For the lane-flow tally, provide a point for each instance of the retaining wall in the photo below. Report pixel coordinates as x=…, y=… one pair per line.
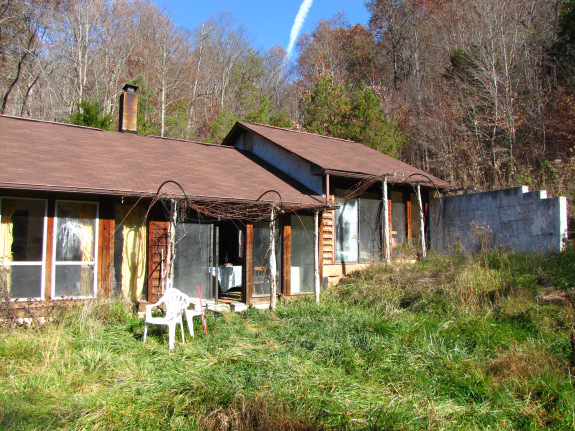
x=514, y=218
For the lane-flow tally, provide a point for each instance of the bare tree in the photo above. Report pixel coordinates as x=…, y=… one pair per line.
x=22, y=40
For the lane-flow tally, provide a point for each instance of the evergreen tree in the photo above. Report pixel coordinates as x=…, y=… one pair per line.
x=355, y=114
x=90, y=113
x=264, y=114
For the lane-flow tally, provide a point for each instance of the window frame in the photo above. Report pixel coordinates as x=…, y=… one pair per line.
x=298, y=217
x=56, y=263
x=41, y=263
x=356, y=236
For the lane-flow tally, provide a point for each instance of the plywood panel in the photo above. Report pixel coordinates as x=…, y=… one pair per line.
x=105, y=256
x=286, y=255
x=249, y=244
x=157, y=247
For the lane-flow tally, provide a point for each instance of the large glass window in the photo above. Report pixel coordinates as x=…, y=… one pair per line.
x=346, y=231
x=302, y=254
x=370, y=230
x=398, y=221
x=358, y=230
x=193, y=265
x=22, y=247
x=75, y=240
x=261, y=277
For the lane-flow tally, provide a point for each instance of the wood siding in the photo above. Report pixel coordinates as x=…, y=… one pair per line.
x=327, y=238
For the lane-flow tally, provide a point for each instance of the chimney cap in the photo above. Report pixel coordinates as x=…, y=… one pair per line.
x=130, y=88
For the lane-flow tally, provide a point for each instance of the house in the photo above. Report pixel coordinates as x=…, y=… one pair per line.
x=87, y=213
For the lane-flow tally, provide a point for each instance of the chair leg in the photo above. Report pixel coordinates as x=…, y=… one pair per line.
x=182, y=331
x=145, y=331
x=172, y=334
x=190, y=321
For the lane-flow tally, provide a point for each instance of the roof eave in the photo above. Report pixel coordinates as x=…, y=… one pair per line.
x=318, y=204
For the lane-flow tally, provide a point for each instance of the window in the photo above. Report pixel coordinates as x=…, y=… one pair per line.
x=75, y=241
x=346, y=231
x=302, y=254
x=370, y=230
x=193, y=265
x=358, y=229
x=22, y=247
x=261, y=278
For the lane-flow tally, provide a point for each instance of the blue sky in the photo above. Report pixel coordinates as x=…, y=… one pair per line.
x=269, y=22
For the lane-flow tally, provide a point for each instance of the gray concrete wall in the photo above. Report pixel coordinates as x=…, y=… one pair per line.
x=514, y=218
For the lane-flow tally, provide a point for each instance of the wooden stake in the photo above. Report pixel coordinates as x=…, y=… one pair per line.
x=202, y=309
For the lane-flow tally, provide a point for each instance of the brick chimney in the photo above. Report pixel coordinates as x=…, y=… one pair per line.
x=128, y=110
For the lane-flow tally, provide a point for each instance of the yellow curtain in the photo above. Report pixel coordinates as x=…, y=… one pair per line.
x=6, y=238
x=133, y=252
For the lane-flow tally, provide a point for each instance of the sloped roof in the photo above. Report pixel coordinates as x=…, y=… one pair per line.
x=336, y=156
x=39, y=155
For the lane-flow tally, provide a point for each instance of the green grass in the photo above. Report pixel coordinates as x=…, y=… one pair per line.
x=448, y=343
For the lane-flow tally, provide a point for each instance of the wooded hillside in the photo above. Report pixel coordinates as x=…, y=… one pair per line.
x=477, y=92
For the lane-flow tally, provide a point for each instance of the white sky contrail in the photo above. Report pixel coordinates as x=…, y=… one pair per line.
x=297, y=24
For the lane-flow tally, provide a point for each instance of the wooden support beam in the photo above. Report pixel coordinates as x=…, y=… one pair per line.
x=423, y=249
x=321, y=245
x=386, y=217
x=316, y=254
x=273, y=263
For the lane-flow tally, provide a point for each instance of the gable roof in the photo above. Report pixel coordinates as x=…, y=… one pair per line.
x=334, y=156
x=40, y=155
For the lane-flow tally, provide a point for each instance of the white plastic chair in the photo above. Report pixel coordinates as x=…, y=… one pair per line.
x=176, y=304
x=190, y=313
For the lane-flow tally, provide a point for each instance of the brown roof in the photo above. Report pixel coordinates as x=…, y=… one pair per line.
x=337, y=156
x=38, y=155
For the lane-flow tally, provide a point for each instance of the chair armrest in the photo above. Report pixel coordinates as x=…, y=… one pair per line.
x=149, y=307
x=191, y=313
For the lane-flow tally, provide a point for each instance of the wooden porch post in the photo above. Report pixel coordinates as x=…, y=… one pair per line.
x=423, y=250
x=273, y=271
x=316, y=254
x=249, y=256
x=385, y=220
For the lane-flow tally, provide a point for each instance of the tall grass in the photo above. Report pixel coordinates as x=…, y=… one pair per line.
x=446, y=343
